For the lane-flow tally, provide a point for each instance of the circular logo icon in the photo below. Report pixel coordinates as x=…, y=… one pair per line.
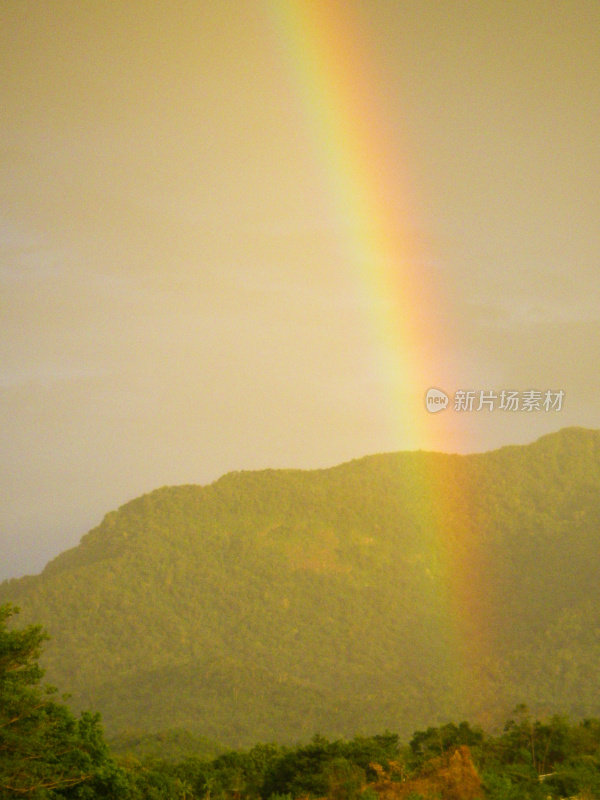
x=436, y=400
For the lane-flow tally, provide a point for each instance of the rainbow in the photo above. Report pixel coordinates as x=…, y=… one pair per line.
x=368, y=185
x=325, y=52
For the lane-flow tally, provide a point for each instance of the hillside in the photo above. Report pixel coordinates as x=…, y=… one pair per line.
x=391, y=591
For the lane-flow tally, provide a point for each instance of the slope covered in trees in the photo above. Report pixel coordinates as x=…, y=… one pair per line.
x=393, y=591
x=44, y=750
x=45, y=753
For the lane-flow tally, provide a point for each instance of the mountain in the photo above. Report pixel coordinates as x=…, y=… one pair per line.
x=392, y=591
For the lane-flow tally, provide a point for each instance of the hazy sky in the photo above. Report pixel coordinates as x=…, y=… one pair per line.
x=178, y=296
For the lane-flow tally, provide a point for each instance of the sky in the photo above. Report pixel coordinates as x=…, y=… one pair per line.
x=247, y=234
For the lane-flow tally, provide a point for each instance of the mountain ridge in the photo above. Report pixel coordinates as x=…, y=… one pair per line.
x=235, y=474
x=273, y=603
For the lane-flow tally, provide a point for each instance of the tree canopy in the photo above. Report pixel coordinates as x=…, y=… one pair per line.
x=47, y=753
x=44, y=750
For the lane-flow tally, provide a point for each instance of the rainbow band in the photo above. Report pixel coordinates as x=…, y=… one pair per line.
x=325, y=51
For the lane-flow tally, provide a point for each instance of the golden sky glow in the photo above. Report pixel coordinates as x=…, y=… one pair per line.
x=184, y=291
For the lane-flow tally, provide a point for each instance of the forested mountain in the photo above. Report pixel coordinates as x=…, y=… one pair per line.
x=393, y=591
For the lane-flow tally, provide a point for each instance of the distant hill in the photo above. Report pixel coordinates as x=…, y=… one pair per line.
x=392, y=591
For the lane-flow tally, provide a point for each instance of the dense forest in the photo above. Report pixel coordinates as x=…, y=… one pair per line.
x=393, y=592
x=46, y=752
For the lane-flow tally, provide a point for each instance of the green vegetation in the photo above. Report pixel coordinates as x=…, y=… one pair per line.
x=392, y=592
x=44, y=750
x=171, y=745
x=46, y=753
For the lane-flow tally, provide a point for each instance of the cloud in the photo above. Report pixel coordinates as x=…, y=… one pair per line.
x=48, y=375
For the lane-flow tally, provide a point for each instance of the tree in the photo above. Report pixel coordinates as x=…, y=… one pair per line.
x=345, y=781
x=434, y=742
x=44, y=750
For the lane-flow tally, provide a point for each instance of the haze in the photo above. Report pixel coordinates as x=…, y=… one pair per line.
x=176, y=298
